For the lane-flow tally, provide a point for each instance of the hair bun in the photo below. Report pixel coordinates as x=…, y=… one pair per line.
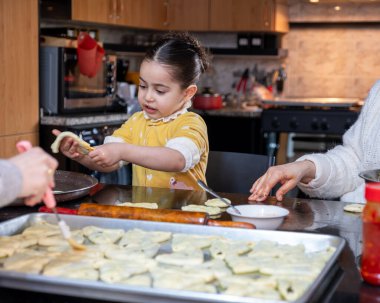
x=193, y=44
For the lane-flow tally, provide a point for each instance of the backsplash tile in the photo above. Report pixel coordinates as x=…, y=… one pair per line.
x=332, y=61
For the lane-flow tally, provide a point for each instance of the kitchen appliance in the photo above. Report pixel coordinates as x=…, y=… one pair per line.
x=64, y=89
x=308, y=116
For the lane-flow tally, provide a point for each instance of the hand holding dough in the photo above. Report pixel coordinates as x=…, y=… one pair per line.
x=84, y=147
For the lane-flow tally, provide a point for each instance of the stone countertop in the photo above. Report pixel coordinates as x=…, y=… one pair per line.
x=231, y=112
x=74, y=120
x=84, y=119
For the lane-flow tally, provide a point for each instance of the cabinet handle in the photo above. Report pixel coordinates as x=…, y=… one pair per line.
x=166, y=4
x=112, y=8
x=118, y=9
x=267, y=14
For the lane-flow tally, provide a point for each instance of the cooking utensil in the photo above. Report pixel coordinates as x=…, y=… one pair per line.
x=23, y=146
x=72, y=185
x=116, y=292
x=207, y=101
x=158, y=215
x=65, y=230
x=209, y=190
x=372, y=175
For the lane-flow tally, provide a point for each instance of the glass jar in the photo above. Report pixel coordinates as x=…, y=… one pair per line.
x=370, y=265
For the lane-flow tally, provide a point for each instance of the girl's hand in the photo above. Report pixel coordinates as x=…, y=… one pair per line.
x=69, y=147
x=106, y=155
x=289, y=175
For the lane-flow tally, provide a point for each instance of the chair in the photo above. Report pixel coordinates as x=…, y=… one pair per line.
x=235, y=172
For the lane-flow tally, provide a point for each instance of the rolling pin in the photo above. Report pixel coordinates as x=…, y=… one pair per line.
x=159, y=215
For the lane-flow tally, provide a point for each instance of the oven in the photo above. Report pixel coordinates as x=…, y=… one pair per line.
x=313, y=124
x=94, y=134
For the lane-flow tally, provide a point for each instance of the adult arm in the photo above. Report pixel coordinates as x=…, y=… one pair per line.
x=10, y=182
x=337, y=170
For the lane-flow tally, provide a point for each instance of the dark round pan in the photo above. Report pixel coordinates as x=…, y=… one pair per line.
x=372, y=175
x=71, y=185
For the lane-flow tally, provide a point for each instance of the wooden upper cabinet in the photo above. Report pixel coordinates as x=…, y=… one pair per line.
x=101, y=11
x=19, y=68
x=150, y=14
x=247, y=15
x=188, y=15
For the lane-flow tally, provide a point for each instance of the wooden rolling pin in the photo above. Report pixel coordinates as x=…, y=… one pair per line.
x=160, y=215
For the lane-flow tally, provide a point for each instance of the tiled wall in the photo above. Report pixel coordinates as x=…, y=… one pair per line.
x=332, y=60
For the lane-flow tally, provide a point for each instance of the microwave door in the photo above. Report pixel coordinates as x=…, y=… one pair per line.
x=81, y=91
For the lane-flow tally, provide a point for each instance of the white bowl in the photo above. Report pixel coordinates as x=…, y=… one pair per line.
x=263, y=216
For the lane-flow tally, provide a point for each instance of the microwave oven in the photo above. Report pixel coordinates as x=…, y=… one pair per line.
x=65, y=90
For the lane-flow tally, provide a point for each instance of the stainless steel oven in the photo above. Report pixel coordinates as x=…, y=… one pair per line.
x=64, y=89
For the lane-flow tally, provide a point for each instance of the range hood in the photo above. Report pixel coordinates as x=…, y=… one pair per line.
x=334, y=11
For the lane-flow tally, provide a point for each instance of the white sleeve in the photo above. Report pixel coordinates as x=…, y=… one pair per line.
x=113, y=139
x=188, y=149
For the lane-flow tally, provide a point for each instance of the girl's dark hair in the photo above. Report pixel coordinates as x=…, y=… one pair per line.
x=183, y=54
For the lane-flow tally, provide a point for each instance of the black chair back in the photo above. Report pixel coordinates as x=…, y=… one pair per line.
x=235, y=172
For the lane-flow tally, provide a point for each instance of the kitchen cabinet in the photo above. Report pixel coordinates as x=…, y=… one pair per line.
x=150, y=14
x=234, y=134
x=19, y=74
x=188, y=15
x=249, y=15
x=100, y=11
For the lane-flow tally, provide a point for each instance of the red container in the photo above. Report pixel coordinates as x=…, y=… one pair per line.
x=90, y=55
x=370, y=267
x=208, y=101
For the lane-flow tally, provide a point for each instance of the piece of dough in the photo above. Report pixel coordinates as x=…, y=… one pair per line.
x=99, y=235
x=354, y=208
x=140, y=204
x=139, y=236
x=218, y=203
x=84, y=147
x=211, y=210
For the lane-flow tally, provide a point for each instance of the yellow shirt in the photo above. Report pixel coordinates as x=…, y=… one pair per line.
x=145, y=132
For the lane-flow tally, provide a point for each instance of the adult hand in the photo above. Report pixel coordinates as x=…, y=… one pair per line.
x=37, y=170
x=69, y=147
x=107, y=154
x=289, y=175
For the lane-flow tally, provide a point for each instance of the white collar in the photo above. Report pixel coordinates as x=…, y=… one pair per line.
x=172, y=116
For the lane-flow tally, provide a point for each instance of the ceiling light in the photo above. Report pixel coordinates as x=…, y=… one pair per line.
x=337, y=8
x=314, y=1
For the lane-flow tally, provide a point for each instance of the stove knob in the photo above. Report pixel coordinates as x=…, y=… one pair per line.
x=293, y=123
x=325, y=125
x=314, y=124
x=275, y=123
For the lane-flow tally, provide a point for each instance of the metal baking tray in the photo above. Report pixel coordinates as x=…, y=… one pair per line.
x=126, y=293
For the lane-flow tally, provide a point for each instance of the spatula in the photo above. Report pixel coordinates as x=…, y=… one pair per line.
x=24, y=146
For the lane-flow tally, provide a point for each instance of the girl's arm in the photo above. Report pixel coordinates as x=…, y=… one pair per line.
x=69, y=147
x=157, y=158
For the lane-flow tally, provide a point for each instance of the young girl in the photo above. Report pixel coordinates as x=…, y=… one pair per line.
x=167, y=144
